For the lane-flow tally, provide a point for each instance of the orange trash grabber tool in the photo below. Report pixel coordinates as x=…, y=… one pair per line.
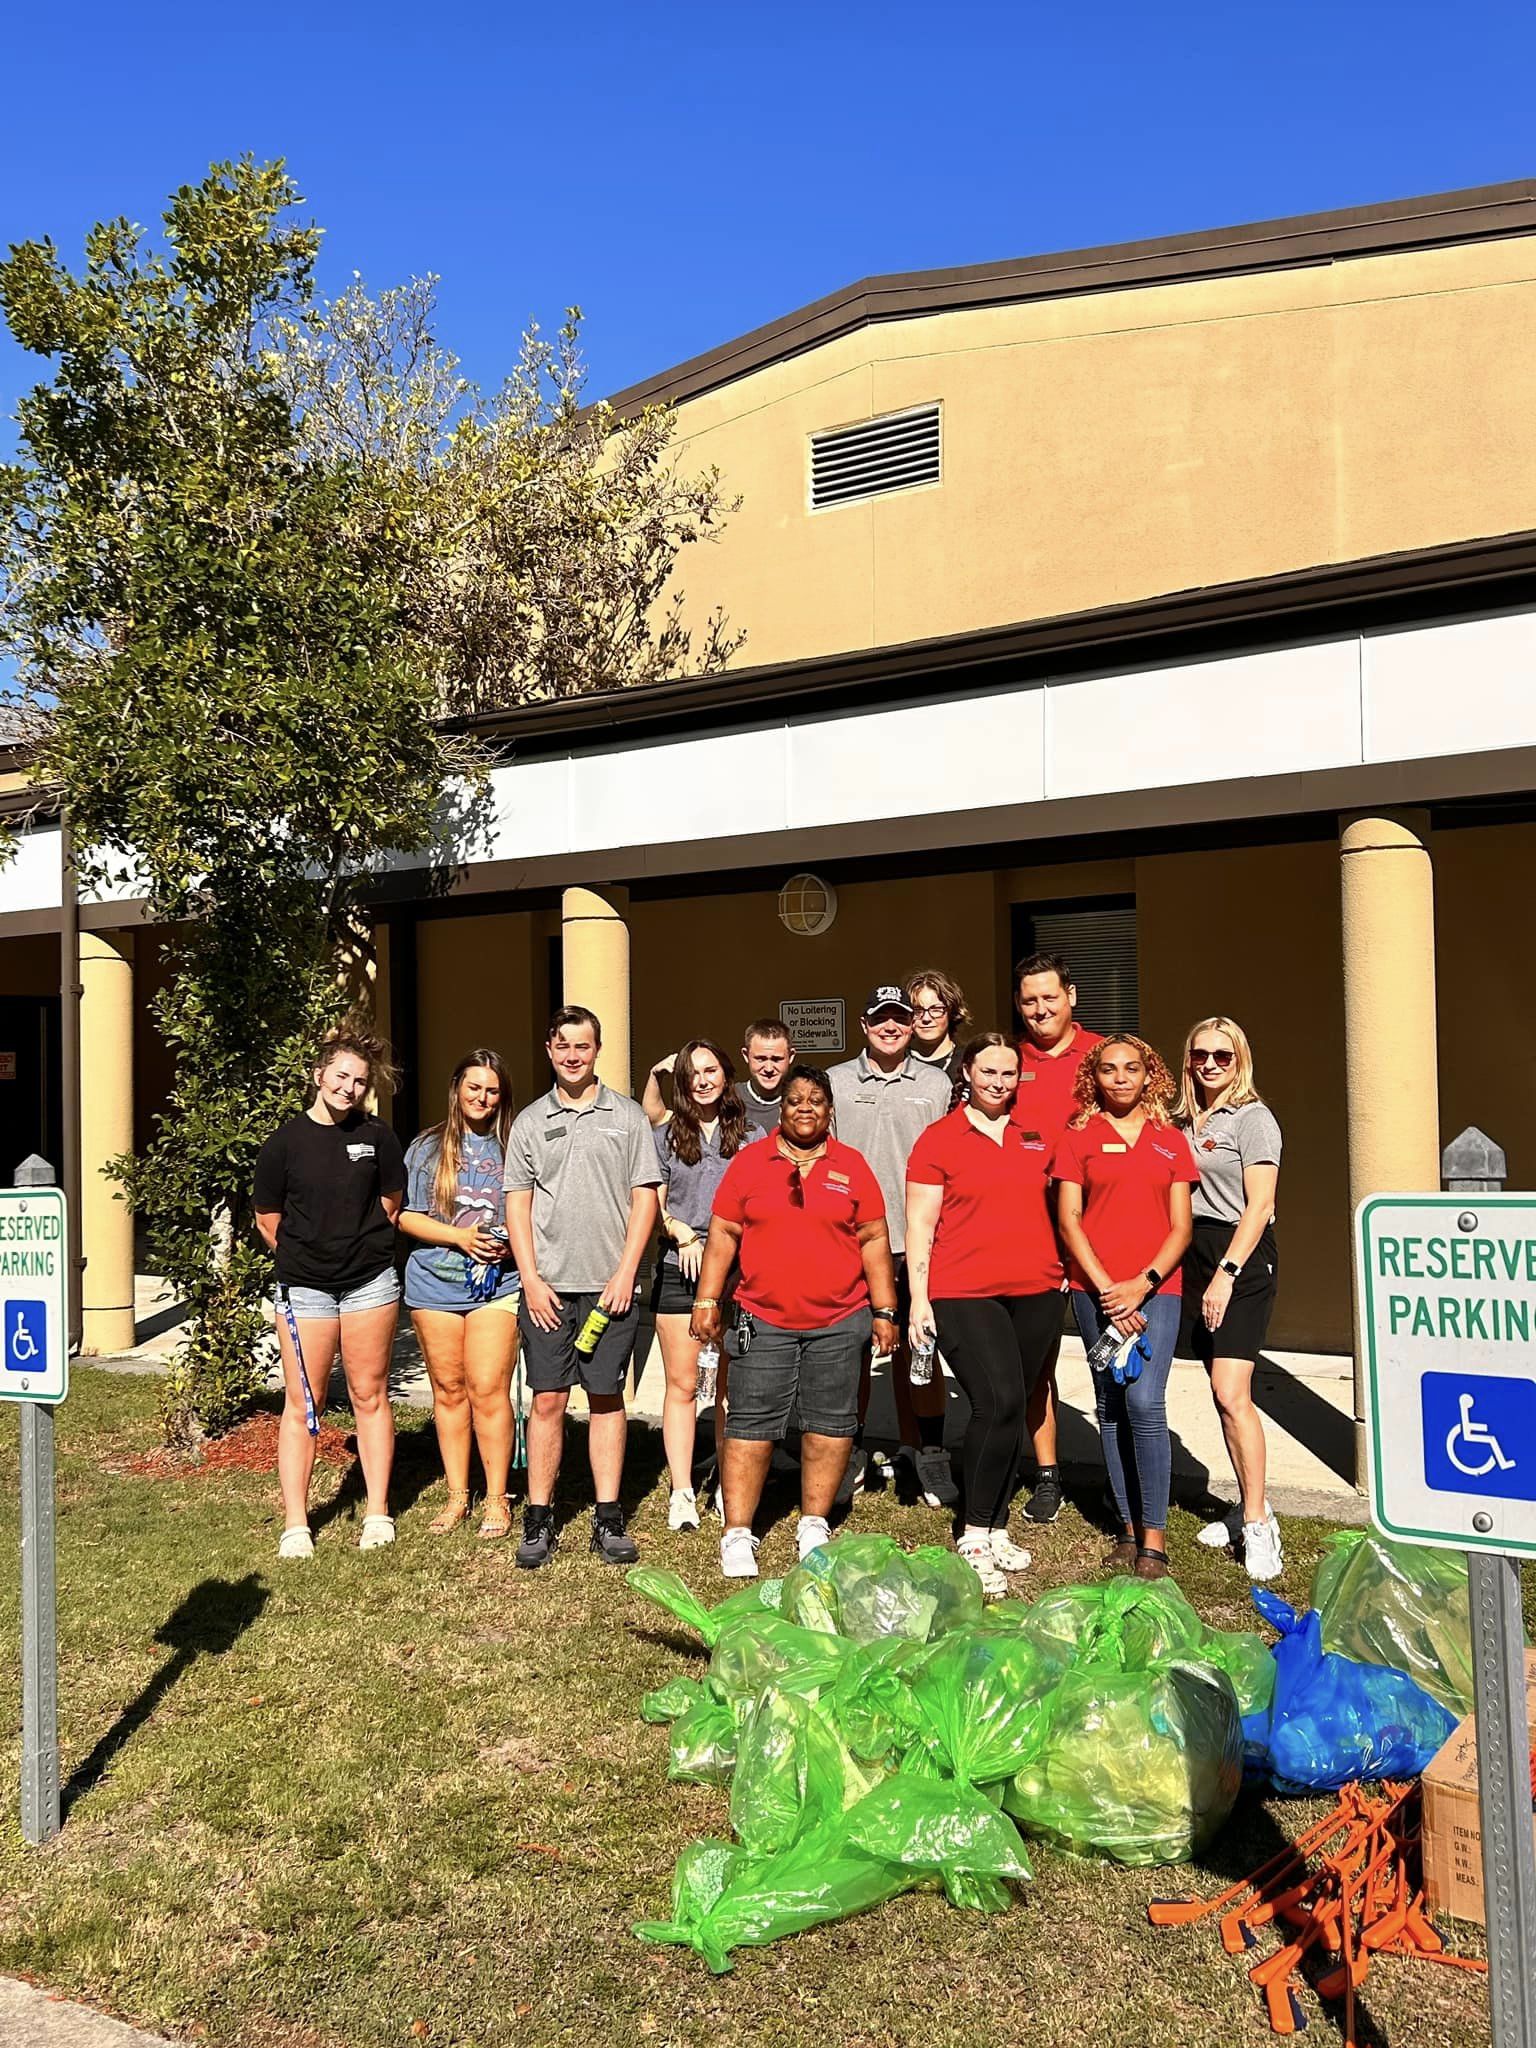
x=1185, y=1912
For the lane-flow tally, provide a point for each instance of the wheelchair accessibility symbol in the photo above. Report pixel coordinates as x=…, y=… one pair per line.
x=26, y=1336
x=1479, y=1434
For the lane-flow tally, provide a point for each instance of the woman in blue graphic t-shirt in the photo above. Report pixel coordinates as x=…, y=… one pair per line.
x=461, y=1286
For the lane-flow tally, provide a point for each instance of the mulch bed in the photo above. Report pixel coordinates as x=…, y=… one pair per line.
x=252, y=1447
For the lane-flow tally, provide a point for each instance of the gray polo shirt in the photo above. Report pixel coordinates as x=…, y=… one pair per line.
x=690, y=1190
x=1225, y=1143
x=883, y=1116
x=582, y=1165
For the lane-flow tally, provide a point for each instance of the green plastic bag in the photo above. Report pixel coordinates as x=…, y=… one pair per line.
x=1128, y=1624
x=704, y=1743
x=671, y=1701
x=943, y=1830
x=669, y=1592
x=872, y=1700
x=1401, y=1605
x=868, y=1587
x=1142, y=1766
x=982, y=1698
x=759, y=1650
x=793, y=1772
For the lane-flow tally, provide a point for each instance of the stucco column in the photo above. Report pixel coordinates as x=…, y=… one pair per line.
x=594, y=943
x=106, y=1130
x=1390, y=1062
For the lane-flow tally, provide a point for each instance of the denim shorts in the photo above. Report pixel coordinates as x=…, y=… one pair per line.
x=320, y=1305
x=782, y=1372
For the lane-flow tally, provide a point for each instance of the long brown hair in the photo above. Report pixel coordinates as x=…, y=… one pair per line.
x=449, y=1135
x=684, y=1136
x=1157, y=1091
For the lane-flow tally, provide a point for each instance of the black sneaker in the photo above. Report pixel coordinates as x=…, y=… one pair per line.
x=613, y=1542
x=1044, y=1504
x=539, y=1539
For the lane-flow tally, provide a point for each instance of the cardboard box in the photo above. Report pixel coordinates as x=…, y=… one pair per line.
x=1453, y=1830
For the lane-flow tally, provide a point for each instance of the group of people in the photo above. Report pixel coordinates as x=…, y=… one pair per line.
x=936, y=1202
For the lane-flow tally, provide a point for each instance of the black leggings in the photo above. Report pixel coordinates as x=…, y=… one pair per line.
x=996, y=1348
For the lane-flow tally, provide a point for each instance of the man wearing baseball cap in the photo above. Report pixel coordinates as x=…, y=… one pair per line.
x=883, y=1101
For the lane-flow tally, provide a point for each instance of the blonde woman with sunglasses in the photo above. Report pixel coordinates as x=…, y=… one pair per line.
x=1232, y=1266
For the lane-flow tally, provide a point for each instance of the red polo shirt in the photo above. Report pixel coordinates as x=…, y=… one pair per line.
x=1125, y=1193
x=994, y=1234
x=1045, y=1102
x=801, y=1267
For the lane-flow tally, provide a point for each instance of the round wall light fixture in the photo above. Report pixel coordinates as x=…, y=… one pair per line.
x=807, y=906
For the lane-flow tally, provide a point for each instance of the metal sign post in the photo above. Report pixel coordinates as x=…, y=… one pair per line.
x=34, y=1371
x=1448, y=1329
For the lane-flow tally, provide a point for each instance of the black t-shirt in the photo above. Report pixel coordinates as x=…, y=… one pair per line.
x=949, y=1066
x=327, y=1181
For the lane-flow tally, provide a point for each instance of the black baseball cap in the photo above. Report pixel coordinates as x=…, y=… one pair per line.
x=889, y=997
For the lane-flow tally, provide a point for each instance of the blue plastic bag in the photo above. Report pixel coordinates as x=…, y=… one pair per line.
x=1333, y=1719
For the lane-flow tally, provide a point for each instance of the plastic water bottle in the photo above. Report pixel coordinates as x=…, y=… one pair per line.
x=592, y=1332
x=921, y=1373
x=1101, y=1354
x=709, y=1374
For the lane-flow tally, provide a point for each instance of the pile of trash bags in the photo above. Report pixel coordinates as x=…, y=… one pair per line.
x=879, y=1729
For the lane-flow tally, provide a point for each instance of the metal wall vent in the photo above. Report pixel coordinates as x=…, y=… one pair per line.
x=895, y=453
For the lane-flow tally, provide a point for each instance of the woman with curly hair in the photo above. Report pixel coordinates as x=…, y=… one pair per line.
x=1123, y=1175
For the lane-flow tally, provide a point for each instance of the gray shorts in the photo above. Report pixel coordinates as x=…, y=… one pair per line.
x=552, y=1362
x=812, y=1372
x=320, y=1305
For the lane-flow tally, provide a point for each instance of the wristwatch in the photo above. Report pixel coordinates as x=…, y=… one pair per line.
x=886, y=1315
x=1230, y=1266
x=1155, y=1277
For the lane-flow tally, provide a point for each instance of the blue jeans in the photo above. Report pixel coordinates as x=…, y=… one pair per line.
x=1133, y=1420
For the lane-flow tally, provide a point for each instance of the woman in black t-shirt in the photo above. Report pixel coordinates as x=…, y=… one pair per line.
x=327, y=1192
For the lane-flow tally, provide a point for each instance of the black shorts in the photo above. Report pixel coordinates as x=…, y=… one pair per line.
x=1245, y=1325
x=552, y=1362
x=671, y=1294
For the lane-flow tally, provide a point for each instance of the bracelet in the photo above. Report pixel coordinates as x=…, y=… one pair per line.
x=705, y=1301
x=886, y=1315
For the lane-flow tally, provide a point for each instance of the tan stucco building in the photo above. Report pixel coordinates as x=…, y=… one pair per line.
x=1173, y=603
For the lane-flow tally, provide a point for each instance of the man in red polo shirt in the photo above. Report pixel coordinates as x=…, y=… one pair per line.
x=1050, y=1053
x=807, y=1222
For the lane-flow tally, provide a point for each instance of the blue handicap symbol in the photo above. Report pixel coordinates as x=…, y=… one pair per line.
x=1479, y=1434
x=26, y=1336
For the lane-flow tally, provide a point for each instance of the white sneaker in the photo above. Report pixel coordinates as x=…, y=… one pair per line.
x=977, y=1553
x=1222, y=1533
x=296, y=1543
x=1261, y=1549
x=1007, y=1555
x=378, y=1531
x=810, y=1533
x=738, y=1554
x=682, y=1509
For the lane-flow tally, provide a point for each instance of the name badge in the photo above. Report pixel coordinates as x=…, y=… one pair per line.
x=1114, y=1148
x=360, y=1152
x=841, y=1179
x=1027, y=1075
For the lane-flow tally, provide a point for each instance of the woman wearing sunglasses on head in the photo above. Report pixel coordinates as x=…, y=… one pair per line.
x=1123, y=1175
x=1232, y=1266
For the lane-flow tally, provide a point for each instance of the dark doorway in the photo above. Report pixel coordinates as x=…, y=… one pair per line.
x=31, y=1102
x=1096, y=935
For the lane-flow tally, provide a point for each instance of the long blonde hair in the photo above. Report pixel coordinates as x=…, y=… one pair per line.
x=1239, y=1089
x=449, y=1135
x=1157, y=1091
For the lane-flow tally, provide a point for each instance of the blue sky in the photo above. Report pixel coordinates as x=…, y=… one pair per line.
x=687, y=172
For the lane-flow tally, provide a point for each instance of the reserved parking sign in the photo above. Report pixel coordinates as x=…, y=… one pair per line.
x=34, y=1329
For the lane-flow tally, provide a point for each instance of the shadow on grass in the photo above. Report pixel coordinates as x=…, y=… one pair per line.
x=209, y=1622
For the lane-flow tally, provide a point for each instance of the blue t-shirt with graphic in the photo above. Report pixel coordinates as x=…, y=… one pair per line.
x=440, y=1275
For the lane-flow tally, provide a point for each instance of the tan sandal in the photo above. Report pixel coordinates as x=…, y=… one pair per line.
x=454, y=1510
x=496, y=1522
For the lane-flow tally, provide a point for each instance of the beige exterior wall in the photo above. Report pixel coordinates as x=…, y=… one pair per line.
x=1106, y=448
x=479, y=982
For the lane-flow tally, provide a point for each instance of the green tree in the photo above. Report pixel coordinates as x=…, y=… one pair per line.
x=213, y=619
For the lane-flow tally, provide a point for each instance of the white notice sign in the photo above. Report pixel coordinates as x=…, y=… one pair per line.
x=814, y=1024
x=1448, y=1328
x=34, y=1326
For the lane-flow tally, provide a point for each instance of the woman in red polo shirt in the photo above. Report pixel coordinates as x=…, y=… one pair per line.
x=986, y=1278
x=1123, y=1175
x=804, y=1215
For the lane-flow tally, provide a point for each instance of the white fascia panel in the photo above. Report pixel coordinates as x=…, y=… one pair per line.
x=921, y=760
x=665, y=792
x=1467, y=686
x=1280, y=712
x=32, y=879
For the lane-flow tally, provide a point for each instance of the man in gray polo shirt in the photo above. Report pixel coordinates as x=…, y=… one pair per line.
x=883, y=1101
x=581, y=1180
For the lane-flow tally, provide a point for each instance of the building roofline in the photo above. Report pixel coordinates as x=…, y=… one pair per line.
x=1376, y=589
x=1479, y=213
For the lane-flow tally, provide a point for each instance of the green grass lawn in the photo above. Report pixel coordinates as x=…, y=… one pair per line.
x=408, y=1795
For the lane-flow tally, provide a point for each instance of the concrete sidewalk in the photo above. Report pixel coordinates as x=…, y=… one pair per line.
x=41, y=2019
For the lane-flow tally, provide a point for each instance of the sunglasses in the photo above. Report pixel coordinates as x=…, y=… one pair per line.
x=1222, y=1059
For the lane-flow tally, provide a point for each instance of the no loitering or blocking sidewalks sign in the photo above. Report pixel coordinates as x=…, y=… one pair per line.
x=34, y=1317
x=1448, y=1330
